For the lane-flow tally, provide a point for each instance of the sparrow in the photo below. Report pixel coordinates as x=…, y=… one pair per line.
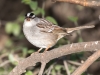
x=43, y=33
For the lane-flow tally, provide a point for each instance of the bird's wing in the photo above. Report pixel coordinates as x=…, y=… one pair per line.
x=47, y=26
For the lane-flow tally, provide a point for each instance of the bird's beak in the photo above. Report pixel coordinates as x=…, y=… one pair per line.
x=28, y=19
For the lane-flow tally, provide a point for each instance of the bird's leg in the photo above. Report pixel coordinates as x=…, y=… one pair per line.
x=47, y=48
x=39, y=50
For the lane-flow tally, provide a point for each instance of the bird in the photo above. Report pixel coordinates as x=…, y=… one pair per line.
x=43, y=33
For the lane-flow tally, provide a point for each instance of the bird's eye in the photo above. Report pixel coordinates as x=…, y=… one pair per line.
x=31, y=14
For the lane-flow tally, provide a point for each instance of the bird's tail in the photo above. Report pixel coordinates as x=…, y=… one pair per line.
x=70, y=30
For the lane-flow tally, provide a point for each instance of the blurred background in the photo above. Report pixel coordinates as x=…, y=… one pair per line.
x=14, y=46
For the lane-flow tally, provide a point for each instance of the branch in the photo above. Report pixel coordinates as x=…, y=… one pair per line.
x=87, y=63
x=42, y=68
x=90, y=3
x=74, y=63
x=52, y=54
x=4, y=63
x=66, y=67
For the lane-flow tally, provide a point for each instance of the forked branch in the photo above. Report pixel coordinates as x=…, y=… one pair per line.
x=52, y=54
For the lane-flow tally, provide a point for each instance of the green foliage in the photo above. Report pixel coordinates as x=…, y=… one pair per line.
x=24, y=51
x=30, y=51
x=3, y=71
x=73, y=19
x=76, y=56
x=71, y=68
x=12, y=59
x=16, y=29
x=80, y=54
x=42, y=12
x=13, y=28
x=9, y=28
x=39, y=11
x=53, y=72
x=51, y=19
x=33, y=5
x=29, y=73
x=20, y=18
x=80, y=39
x=9, y=43
x=73, y=57
x=26, y=1
x=58, y=67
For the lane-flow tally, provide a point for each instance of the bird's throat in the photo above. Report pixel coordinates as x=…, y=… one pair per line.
x=27, y=24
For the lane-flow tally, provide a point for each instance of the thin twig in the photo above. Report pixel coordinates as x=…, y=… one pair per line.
x=49, y=71
x=43, y=64
x=87, y=63
x=4, y=63
x=90, y=3
x=43, y=6
x=66, y=67
x=74, y=63
x=2, y=56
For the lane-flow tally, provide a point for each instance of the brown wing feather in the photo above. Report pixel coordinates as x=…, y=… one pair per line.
x=47, y=26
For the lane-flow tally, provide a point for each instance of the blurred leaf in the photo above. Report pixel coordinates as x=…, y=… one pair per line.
x=73, y=57
x=76, y=56
x=33, y=5
x=80, y=54
x=13, y=28
x=24, y=51
x=51, y=19
x=80, y=39
x=21, y=36
x=38, y=11
x=58, y=67
x=53, y=72
x=16, y=29
x=31, y=51
x=71, y=68
x=73, y=19
x=9, y=28
x=42, y=12
x=12, y=59
x=9, y=43
x=26, y=1
x=29, y=73
x=79, y=7
x=21, y=18
x=61, y=42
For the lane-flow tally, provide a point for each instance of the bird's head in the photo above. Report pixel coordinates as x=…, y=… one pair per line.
x=30, y=16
